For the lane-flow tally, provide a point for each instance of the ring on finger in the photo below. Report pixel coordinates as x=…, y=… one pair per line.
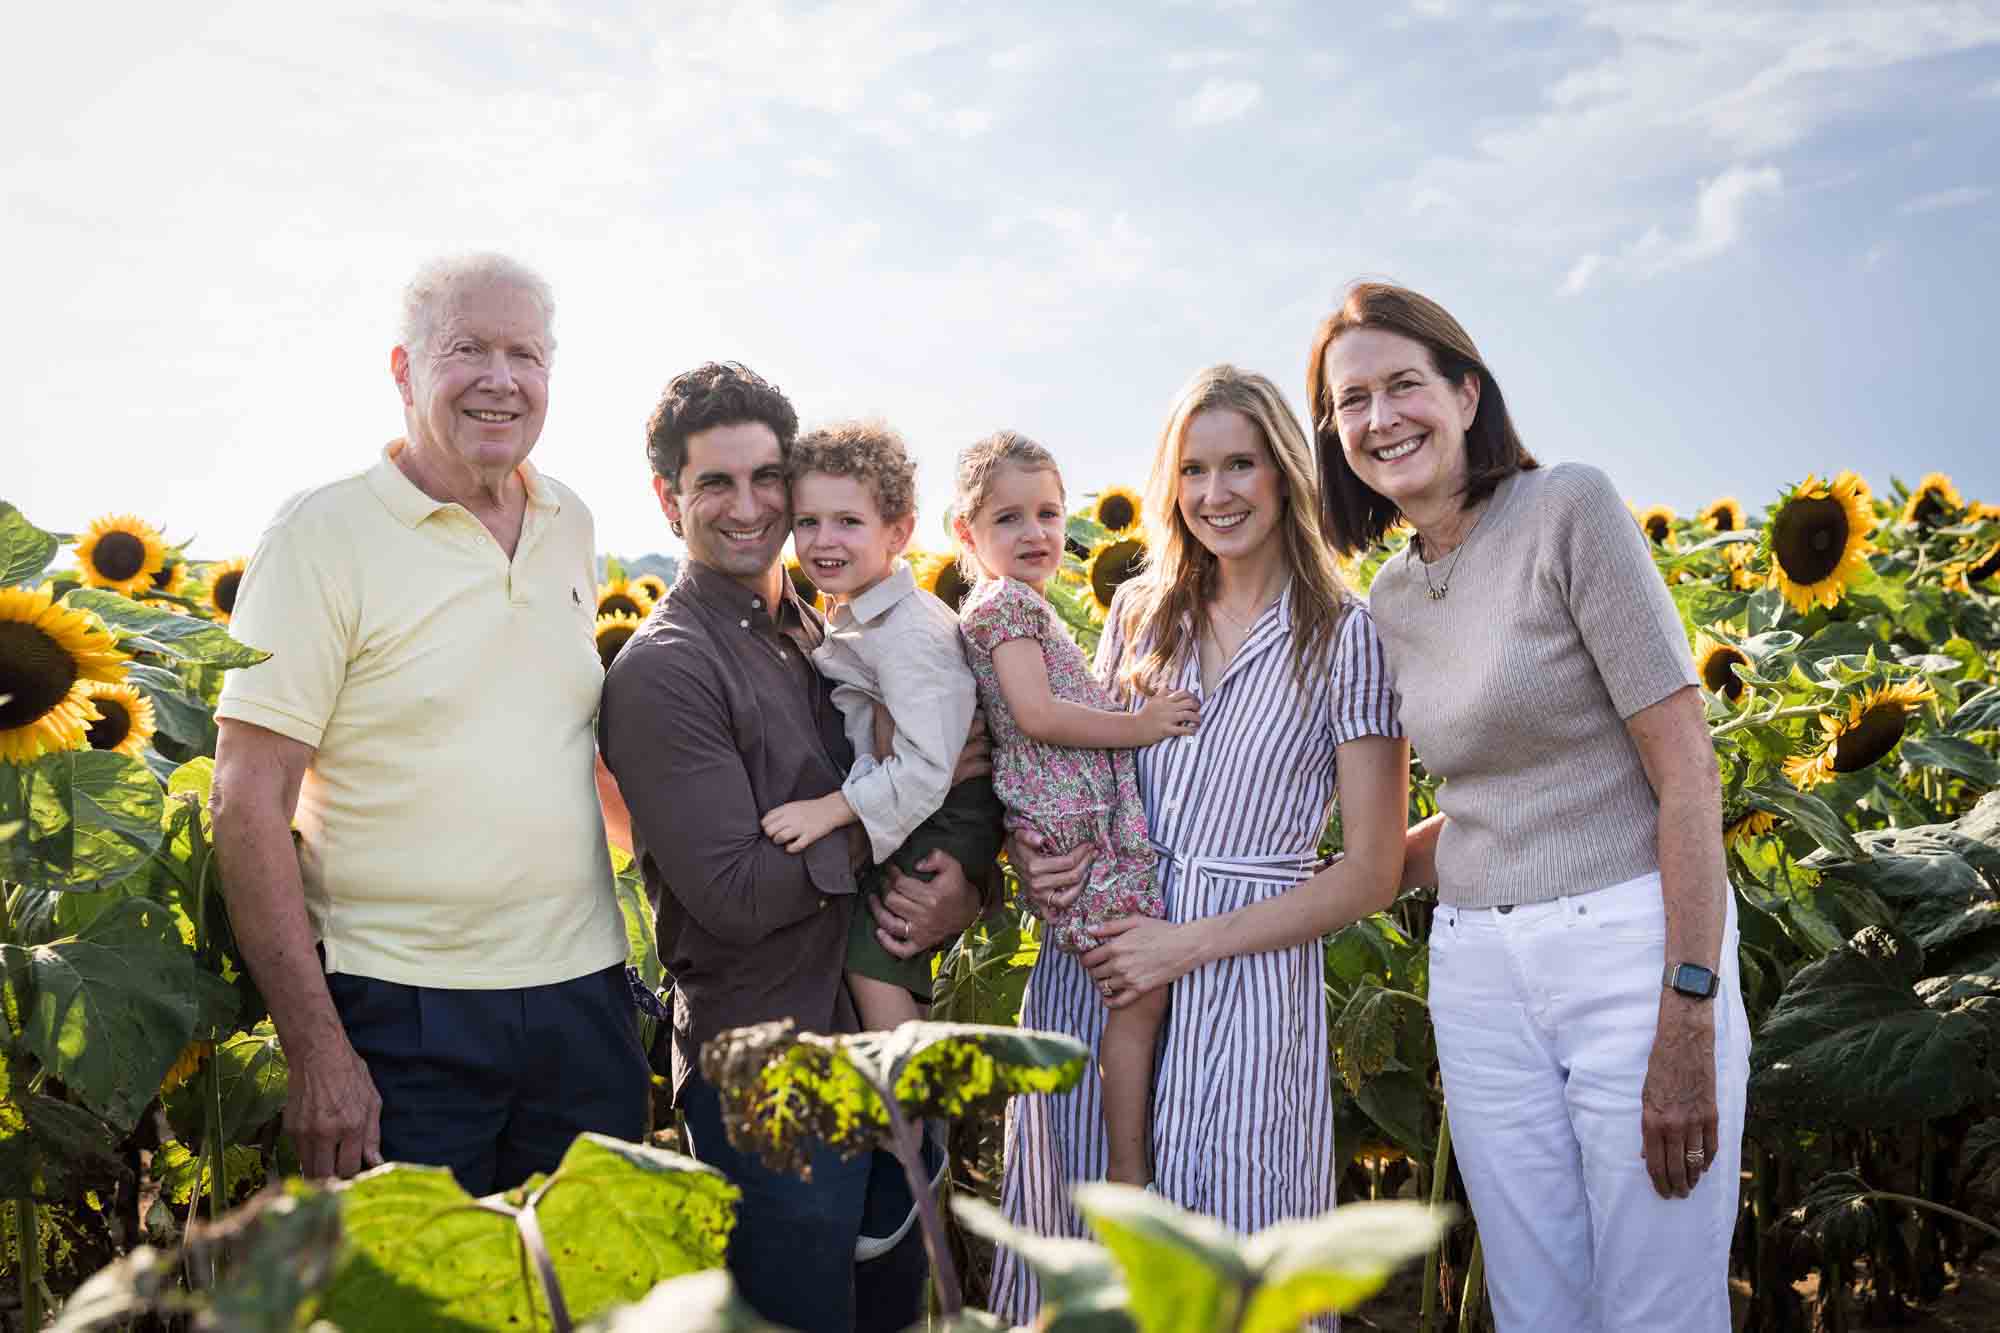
x=1695, y=1156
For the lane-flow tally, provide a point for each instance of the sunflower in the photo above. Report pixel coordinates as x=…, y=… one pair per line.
x=1724, y=515
x=802, y=584
x=613, y=629
x=48, y=656
x=1859, y=484
x=120, y=552
x=186, y=1064
x=1740, y=557
x=622, y=595
x=1874, y=723
x=938, y=573
x=124, y=718
x=1714, y=661
x=1935, y=501
x=1981, y=512
x=1110, y=565
x=224, y=582
x=1117, y=510
x=1817, y=541
x=1750, y=824
x=1960, y=577
x=172, y=576
x=655, y=586
x=1658, y=522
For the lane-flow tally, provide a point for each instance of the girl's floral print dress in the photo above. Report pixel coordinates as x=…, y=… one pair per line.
x=1069, y=796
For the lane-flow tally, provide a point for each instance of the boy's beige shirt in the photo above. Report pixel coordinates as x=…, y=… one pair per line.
x=449, y=832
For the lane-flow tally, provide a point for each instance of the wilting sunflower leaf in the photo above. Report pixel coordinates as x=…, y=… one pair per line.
x=785, y=1092
x=705, y=1302
x=25, y=550
x=1953, y=754
x=1364, y=1035
x=146, y=629
x=1836, y=1217
x=51, y=1150
x=182, y=1172
x=1331, y=1263
x=109, y=1009
x=146, y=1281
x=1850, y=1042
x=1184, y=1273
x=617, y=1219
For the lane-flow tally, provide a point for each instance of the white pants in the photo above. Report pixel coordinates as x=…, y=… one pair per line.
x=1545, y=1016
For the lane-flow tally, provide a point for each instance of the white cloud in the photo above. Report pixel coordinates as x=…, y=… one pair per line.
x=1721, y=209
x=1180, y=62
x=1219, y=101
x=816, y=167
x=1987, y=91
x=1957, y=197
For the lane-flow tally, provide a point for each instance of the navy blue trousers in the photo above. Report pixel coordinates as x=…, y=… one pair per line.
x=495, y=1084
x=792, y=1252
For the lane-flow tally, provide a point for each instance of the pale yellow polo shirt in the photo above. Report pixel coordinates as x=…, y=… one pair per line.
x=450, y=829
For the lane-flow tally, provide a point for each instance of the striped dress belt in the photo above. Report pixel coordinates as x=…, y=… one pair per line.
x=1280, y=869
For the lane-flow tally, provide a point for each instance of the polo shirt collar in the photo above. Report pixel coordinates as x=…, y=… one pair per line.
x=411, y=506
x=713, y=588
x=875, y=603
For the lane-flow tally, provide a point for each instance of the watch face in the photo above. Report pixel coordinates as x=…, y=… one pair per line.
x=1693, y=979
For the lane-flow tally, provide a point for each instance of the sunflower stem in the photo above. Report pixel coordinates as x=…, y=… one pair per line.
x=1747, y=719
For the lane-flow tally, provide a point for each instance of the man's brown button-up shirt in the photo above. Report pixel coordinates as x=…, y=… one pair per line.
x=711, y=716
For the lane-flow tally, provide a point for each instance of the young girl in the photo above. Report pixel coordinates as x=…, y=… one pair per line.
x=1060, y=745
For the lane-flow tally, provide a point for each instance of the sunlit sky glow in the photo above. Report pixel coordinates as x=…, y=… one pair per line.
x=1710, y=246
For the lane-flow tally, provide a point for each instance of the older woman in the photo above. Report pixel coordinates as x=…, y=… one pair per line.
x=1583, y=984
x=1241, y=605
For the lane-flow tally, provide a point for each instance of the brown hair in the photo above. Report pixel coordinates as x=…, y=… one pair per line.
x=1167, y=605
x=868, y=451
x=715, y=393
x=977, y=463
x=1356, y=516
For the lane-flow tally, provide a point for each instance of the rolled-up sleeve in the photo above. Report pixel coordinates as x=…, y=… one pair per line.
x=930, y=695
x=664, y=728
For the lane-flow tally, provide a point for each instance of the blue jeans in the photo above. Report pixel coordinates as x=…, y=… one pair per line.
x=495, y=1084
x=792, y=1252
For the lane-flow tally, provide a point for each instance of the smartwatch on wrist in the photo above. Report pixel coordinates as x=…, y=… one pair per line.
x=1693, y=980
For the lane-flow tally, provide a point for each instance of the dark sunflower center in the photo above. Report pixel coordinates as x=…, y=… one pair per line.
x=1116, y=512
x=35, y=674
x=951, y=586
x=1112, y=568
x=617, y=602
x=1930, y=510
x=1986, y=568
x=110, y=730
x=1723, y=521
x=165, y=578
x=1808, y=537
x=1870, y=738
x=225, y=591
x=610, y=641
x=118, y=555
x=1715, y=673
x=1656, y=528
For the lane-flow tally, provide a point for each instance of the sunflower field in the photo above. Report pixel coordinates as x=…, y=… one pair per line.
x=1849, y=649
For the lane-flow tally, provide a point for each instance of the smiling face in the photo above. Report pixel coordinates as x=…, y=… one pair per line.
x=839, y=534
x=1402, y=424
x=476, y=392
x=1228, y=488
x=730, y=502
x=1018, y=531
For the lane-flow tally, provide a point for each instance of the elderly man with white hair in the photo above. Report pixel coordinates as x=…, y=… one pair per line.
x=443, y=950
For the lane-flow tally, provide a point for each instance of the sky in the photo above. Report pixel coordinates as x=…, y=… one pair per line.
x=1708, y=245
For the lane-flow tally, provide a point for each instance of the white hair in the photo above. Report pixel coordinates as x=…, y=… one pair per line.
x=436, y=281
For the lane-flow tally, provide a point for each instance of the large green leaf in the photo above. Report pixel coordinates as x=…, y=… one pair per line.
x=1334, y=1262
x=93, y=818
x=51, y=1150
x=180, y=714
x=142, y=628
x=255, y=1079
x=109, y=1009
x=785, y=1092
x=1850, y=1042
x=1364, y=1034
x=1080, y=1286
x=25, y=550
x=1810, y=813
x=1397, y=1102
x=1943, y=879
x=1979, y=713
x=617, y=1218
x=1954, y=754
x=1184, y=1273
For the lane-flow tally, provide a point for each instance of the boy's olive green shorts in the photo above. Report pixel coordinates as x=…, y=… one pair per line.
x=966, y=826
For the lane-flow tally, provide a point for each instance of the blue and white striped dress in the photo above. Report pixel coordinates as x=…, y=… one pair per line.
x=1242, y=1103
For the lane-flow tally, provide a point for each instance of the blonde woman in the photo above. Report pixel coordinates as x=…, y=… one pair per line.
x=1242, y=607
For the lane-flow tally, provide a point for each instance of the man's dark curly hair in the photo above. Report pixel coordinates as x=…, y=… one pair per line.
x=715, y=393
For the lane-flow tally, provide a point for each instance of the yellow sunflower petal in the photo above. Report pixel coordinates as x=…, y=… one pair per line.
x=1751, y=824
x=1658, y=523
x=124, y=722
x=803, y=585
x=611, y=633
x=655, y=587
x=941, y=574
x=1118, y=510
x=1873, y=726
x=1713, y=662
x=1724, y=515
x=49, y=656
x=224, y=581
x=121, y=552
x=1933, y=502
x=622, y=594
x=1109, y=566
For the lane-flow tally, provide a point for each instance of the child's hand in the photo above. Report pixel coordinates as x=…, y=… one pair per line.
x=1174, y=713
x=797, y=825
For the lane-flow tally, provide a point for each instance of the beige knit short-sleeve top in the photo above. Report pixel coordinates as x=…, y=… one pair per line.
x=1515, y=688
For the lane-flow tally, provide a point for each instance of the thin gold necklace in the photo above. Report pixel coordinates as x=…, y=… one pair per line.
x=1439, y=589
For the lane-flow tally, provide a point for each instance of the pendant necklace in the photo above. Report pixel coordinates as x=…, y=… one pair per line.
x=1443, y=586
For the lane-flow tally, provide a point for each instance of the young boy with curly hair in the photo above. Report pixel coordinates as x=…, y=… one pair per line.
x=902, y=685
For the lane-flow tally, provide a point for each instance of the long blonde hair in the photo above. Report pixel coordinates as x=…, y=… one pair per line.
x=1167, y=604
